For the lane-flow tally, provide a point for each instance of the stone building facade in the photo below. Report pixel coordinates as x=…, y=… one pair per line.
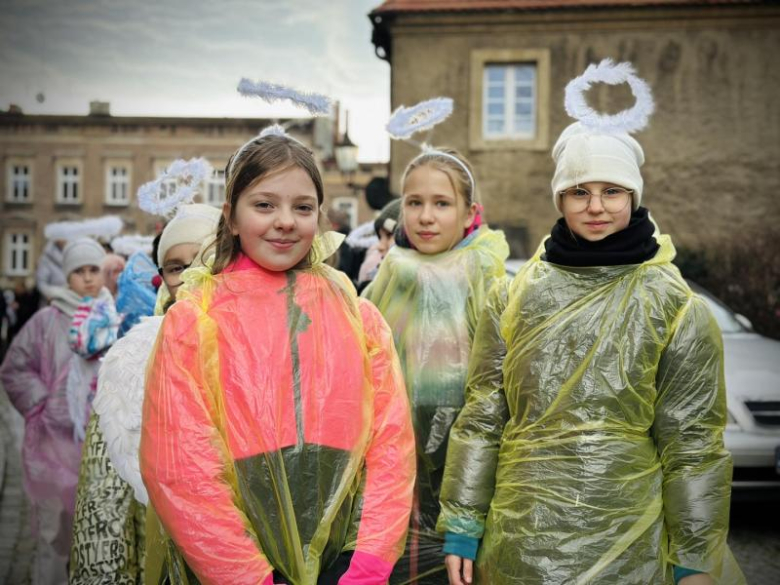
x=56, y=168
x=712, y=148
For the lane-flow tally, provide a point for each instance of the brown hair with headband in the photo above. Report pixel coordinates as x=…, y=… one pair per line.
x=254, y=161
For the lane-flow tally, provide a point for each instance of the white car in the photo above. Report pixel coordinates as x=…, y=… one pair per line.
x=752, y=366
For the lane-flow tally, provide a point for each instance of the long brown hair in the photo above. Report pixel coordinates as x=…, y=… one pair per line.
x=252, y=162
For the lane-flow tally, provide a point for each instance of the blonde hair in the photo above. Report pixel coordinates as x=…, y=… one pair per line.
x=459, y=171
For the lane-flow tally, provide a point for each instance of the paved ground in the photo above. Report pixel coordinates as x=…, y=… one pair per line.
x=755, y=541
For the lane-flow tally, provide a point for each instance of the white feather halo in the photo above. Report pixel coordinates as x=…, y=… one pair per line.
x=628, y=121
x=176, y=186
x=405, y=122
x=273, y=130
x=130, y=244
x=98, y=227
x=315, y=103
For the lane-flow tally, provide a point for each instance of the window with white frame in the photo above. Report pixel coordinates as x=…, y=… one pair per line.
x=509, y=100
x=68, y=183
x=18, y=253
x=117, y=183
x=215, y=188
x=19, y=187
x=347, y=205
x=169, y=185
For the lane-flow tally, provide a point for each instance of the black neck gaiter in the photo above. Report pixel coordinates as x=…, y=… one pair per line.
x=633, y=245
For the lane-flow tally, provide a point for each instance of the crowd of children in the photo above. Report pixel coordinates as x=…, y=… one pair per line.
x=251, y=418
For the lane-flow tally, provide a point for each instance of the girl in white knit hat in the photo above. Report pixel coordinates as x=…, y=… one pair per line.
x=591, y=443
x=49, y=373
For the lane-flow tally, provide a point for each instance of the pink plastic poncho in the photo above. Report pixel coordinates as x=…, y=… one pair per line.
x=276, y=432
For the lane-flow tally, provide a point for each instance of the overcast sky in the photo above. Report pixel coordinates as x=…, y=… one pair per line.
x=185, y=58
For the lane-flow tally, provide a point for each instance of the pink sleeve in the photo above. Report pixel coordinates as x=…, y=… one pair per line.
x=20, y=373
x=185, y=464
x=390, y=460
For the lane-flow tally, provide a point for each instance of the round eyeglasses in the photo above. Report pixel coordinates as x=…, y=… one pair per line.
x=613, y=199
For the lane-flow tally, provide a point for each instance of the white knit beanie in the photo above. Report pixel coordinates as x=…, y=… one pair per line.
x=582, y=155
x=82, y=252
x=192, y=224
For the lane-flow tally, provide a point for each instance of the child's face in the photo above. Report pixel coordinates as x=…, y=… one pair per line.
x=86, y=281
x=386, y=241
x=177, y=259
x=276, y=219
x=595, y=223
x=435, y=216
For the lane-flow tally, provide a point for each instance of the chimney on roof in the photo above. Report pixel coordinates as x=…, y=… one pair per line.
x=98, y=108
x=14, y=109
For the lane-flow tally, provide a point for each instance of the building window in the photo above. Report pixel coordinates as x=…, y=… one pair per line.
x=349, y=206
x=509, y=99
x=215, y=188
x=19, y=188
x=117, y=183
x=68, y=183
x=18, y=251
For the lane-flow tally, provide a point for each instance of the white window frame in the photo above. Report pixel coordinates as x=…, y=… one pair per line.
x=18, y=246
x=14, y=180
x=350, y=205
x=509, y=101
x=118, y=183
x=65, y=179
x=508, y=138
x=160, y=166
x=215, y=185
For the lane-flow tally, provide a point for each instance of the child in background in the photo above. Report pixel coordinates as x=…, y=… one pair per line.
x=384, y=227
x=431, y=287
x=37, y=374
x=276, y=442
x=109, y=526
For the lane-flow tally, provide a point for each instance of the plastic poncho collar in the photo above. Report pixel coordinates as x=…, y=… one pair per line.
x=331, y=466
x=591, y=443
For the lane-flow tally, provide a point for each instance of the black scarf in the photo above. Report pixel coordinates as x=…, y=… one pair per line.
x=633, y=245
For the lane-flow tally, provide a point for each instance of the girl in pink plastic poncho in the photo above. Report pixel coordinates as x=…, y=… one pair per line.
x=48, y=375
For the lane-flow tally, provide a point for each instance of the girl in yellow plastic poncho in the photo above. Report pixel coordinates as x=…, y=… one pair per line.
x=591, y=443
x=276, y=443
x=431, y=288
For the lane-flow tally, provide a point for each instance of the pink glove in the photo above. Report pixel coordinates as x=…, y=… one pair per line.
x=366, y=569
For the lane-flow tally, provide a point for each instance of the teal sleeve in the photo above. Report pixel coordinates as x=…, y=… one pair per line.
x=680, y=572
x=460, y=545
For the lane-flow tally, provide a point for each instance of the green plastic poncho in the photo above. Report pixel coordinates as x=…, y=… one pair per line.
x=591, y=442
x=432, y=304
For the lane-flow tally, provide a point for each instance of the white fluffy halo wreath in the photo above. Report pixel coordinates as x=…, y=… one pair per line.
x=405, y=122
x=130, y=244
x=98, y=227
x=315, y=103
x=157, y=198
x=628, y=121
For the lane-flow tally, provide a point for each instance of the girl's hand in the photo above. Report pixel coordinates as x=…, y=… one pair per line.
x=461, y=571
x=700, y=579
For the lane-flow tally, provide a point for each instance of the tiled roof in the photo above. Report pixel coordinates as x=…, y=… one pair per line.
x=399, y=6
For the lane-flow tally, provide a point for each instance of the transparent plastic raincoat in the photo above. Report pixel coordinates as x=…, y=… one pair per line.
x=432, y=304
x=591, y=442
x=276, y=431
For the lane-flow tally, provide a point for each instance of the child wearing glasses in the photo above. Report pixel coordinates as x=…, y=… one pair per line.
x=591, y=442
x=109, y=526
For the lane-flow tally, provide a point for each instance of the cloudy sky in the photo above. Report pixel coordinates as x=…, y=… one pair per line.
x=185, y=58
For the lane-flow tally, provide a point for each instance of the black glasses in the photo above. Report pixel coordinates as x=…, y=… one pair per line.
x=613, y=199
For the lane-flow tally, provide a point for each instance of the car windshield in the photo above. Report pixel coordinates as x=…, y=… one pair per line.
x=725, y=317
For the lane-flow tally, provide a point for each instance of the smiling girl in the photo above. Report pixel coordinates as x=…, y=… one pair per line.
x=431, y=288
x=276, y=443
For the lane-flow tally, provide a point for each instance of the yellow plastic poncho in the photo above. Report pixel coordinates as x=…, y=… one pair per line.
x=432, y=304
x=591, y=442
x=276, y=432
